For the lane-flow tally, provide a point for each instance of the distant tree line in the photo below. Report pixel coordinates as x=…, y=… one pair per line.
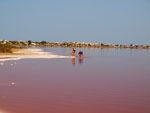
x=41, y=43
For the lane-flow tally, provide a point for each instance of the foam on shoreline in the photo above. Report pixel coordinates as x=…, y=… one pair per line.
x=30, y=54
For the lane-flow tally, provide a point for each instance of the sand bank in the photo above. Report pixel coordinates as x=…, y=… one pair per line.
x=28, y=54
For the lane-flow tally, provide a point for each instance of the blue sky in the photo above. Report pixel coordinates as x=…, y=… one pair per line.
x=103, y=21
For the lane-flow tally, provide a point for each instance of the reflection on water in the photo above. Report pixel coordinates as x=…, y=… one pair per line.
x=73, y=61
x=80, y=60
x=109, y=81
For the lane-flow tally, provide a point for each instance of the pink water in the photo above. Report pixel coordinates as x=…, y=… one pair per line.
x=105, y=81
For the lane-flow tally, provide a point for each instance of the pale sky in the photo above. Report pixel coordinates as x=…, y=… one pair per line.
x=102, y=21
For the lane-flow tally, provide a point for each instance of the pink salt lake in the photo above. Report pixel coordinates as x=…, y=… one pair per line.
x=104, y=81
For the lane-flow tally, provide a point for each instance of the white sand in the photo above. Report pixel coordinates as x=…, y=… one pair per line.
x=30, y=53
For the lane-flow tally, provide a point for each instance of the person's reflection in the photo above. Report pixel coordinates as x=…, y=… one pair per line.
x=80, y=60
x=73, y=61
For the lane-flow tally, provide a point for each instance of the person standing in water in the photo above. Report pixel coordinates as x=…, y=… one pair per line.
x=73, y=58
x=80, y=53
x=80, y=57
x=73, y=52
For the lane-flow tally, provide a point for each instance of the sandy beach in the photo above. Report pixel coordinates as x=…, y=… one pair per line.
x=28, y=53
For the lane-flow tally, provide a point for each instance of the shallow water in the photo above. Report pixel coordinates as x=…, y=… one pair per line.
x=104, y=81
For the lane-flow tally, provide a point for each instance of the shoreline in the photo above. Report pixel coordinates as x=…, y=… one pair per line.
x=146, y=48
x=92, y=46
x=29, y=54
x=70, y=44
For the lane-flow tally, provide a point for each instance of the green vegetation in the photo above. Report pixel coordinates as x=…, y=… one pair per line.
x=29, y=42
x=43, y=42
